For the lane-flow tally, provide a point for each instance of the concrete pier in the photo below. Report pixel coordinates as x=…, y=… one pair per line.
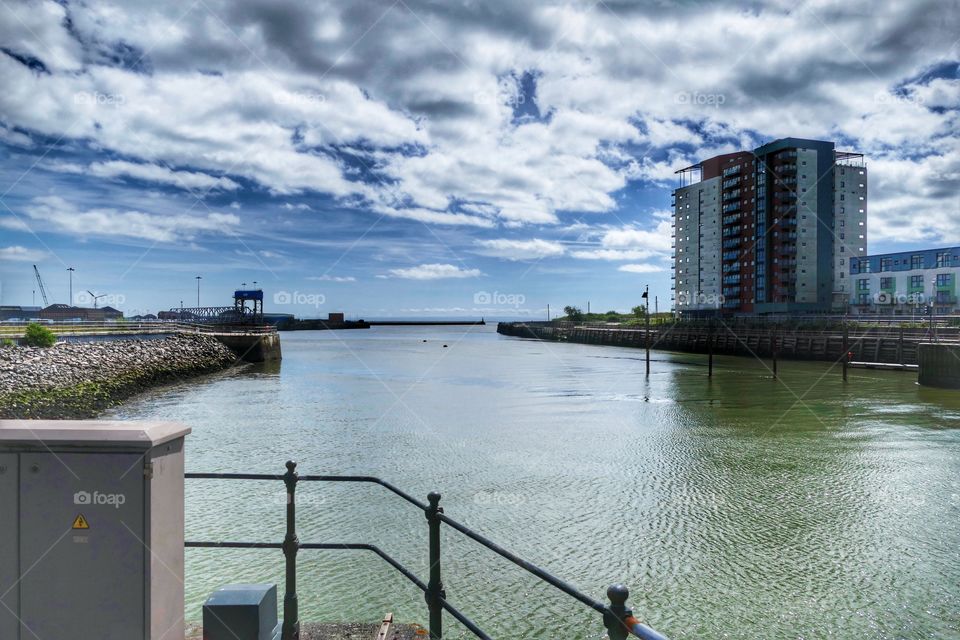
x=252, y=347
x=939, y=365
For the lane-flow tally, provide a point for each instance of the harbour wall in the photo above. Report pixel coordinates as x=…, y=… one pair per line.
x=882, y=345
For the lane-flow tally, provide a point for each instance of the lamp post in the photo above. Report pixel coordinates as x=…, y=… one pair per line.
x=70, y=271
x=198, y=278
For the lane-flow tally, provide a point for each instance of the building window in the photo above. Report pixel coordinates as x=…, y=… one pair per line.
x=943, y=258
x=887, y=283
x=916, y=282
x=886, y=264
x=863, y=284
x=916, y=262
x=944, y=279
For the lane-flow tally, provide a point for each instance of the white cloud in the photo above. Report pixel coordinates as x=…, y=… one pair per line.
x=612, y=254
x=519, y=249
x=17, y=253
x=189, y=180
x=434, y=272
x=640, y=268
x=56, y=214
x=284, y=91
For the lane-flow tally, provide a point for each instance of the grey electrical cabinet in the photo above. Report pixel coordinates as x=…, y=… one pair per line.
x=91, y=530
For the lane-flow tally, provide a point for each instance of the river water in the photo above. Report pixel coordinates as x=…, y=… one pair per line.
x=737, y=507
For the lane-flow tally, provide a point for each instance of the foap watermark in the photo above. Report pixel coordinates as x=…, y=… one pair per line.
x=509, y=99
x=500, y=299
x=299, y=98
x=887, y=97
x=698, y=99
x=281, y=498
x=298, y=297
x=887, y=298
x=699, y=298
x=105, y=300
x=499, y=498
x=99, y=99
x=95, y=498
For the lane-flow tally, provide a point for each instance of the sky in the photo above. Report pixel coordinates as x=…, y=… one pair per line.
x=436, y=158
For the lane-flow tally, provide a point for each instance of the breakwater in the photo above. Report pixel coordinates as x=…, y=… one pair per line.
x=79, y=380
x=893, y=345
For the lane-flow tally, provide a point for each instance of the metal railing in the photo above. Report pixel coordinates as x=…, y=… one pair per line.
x=617, y=617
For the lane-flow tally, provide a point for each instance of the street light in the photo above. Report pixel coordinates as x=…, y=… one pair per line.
x=70, y=271
x=199, y=278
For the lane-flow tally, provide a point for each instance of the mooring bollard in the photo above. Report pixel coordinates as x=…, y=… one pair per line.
x=620, y=622
x=435, y=586
x=291, y=545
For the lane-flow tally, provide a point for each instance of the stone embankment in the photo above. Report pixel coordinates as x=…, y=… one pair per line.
x=79, y=380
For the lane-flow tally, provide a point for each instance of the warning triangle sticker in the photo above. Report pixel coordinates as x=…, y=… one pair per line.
x=80, y=522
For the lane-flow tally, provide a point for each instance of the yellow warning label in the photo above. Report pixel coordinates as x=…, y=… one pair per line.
x=80, y=522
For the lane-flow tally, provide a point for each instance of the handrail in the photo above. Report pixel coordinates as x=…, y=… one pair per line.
x=617, y=618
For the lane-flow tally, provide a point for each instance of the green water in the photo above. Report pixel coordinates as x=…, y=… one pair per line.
x=737, y=507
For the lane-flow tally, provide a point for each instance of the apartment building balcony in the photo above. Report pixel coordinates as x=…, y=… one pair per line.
x=731, y=182
x=731, y=243
x=731, y=171
x=733, y=206
x=731, y=195
x=731, y=219
x=730, y=232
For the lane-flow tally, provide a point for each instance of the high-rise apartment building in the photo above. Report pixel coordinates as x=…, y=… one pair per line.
x=770, y=230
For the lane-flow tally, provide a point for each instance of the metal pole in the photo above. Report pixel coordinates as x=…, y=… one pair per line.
x=435, y=586
x=773, y=348
x=291, y=545
x=710, y=347
x=70, y=271
x=198, y=289
x=646, y=296
x=900, y=347
x=548, y=313
x=846, y=350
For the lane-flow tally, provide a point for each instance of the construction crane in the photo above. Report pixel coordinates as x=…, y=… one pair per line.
x=43, y=291
x=96, y=297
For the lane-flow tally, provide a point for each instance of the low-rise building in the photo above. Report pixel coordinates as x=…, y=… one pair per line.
x=905, y=283
x=62, y=312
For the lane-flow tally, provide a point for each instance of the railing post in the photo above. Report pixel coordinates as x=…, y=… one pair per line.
x=291, y=545
x=619, y=620
x=615, y=621
x=435, y=586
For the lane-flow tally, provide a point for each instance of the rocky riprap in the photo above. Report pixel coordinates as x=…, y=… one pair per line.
x=79, y=380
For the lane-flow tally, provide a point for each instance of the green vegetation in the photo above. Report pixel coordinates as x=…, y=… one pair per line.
x=637, y=316
x=6, y=343
x=38, y=335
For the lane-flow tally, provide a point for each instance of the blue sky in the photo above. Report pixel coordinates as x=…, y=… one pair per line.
x=422, y=159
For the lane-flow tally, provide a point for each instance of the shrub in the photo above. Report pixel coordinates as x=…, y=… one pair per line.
x=7, y=342
x=38, y=335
